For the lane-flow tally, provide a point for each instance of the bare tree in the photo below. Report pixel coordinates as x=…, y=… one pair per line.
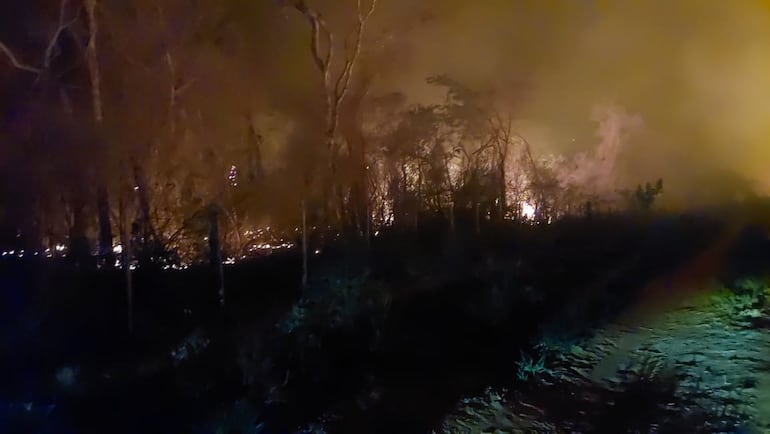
x=336, y=80
x=94, y=73
x=501, y=131
x=124, y=229
x=49, y=54
x=50, y=50
x=43, y=73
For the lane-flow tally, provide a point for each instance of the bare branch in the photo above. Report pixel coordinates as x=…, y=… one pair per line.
x=318, y=26
x=329, y=42
x=15, y=61
x=60, y=27
x=170, y=62
x=93, y=62
x=48, y=54
x=365, y=17
x=343, y=81
x=185, y=85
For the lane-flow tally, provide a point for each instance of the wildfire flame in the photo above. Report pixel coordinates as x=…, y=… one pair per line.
x=528, y=211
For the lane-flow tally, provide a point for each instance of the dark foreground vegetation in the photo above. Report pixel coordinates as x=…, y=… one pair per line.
x=387, y=338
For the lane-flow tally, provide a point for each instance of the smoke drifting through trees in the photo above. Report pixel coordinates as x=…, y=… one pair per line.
x=488, y=109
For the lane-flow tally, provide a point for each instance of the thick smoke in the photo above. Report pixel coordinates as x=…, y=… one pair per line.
x=696, y=71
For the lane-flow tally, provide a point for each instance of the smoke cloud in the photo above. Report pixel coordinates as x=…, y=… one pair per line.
x=696, y=71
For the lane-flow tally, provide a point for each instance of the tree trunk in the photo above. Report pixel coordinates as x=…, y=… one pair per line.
x=33, y=232
x=254, y=144
x=129, y=284
x=478, y=222
x=106, y=255
x=93, y=61
x=125, y=241
x=501, y=205
x=149, y=236
x=335, y=193
x=304, y=244
x=215, y=254
x=368, y=222
x=335, y=90
x=80, y=251
x=102, y=200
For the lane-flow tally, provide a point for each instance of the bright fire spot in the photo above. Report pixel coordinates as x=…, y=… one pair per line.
x=232, y=176
x=117, y=249
x=528, y=211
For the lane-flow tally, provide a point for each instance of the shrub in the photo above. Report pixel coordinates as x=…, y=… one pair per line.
x=490, y=412
x=531, y=367
x=753, y=287
x=338, y=304
x=192, y=345
x=241, y=418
